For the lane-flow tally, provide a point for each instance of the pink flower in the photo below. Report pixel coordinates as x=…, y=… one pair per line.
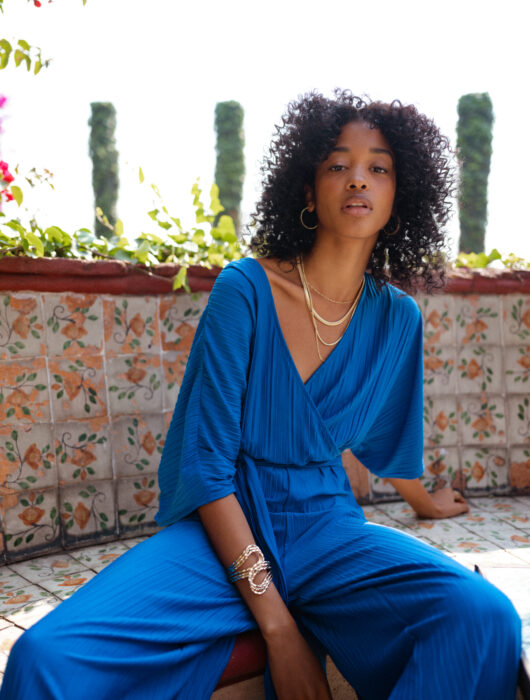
x=37, y=3
x=7, y=177
x=3, y=100
x=3, y=166
x=9, y=197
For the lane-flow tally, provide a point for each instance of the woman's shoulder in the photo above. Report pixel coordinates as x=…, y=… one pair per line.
x=395, y=301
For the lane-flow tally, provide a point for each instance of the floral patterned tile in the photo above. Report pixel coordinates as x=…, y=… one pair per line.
x=492, y=558
x=501, y=534
x=8, y=636
x=21, y=326
x=440, y=422
x=131, y=325
x=138, y=443
x=519, y=419
x=40, y=568
x=26, y=459
x=137, y=502
x=64, y=586
x=381, y=489
x=174, y=366
x=11, y=580
x=438, y=364
x=438, y=319
x=83, y=450
x=88, y=510
x=30, y=614
x=74, y=324
x=135, y=384
x=478, y=320
x=517, y=362
x=505, y=507
x=31, y=522
x=520, y=470
x=482, y=419
x=179, y=317
x=483, y=521
x=442, y=468
x=485, y=468
x=24, y=391
x=21, y=597
x=516, y=316
x=479, y=369
x=97, y=557
x=78, y=388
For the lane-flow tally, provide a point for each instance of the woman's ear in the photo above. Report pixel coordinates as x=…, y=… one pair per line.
x=309, y=198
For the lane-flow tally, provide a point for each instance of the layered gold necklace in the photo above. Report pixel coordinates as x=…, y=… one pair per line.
x=315, y=316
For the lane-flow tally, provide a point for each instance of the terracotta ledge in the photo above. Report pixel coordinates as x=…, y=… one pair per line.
x=117, y=277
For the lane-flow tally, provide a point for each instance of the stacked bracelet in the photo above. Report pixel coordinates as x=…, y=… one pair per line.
x=236, y=574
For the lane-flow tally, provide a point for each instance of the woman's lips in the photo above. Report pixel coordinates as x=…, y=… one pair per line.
x=356, y=209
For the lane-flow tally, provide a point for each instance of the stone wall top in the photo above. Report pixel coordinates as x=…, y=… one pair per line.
x=117, y=277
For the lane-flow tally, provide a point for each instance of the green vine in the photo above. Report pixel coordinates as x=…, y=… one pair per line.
x=482, y=260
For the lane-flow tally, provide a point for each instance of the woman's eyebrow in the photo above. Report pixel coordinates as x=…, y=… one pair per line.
x=344, y=149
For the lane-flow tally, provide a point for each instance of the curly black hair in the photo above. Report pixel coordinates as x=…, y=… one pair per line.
x=424, y=185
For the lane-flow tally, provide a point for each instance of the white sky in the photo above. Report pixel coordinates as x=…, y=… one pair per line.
x=165, y=64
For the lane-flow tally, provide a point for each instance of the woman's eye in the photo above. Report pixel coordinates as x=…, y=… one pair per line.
x=379, y=169
x=337, y=167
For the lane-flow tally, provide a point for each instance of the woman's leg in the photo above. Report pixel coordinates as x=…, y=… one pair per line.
x=159, y=622
x=400, y=619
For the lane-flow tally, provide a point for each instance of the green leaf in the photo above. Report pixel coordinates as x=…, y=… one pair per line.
x=17, y=194
x=118, y=229
x=141, y=175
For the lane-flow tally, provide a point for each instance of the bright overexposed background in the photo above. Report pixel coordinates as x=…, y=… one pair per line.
x=165, y=64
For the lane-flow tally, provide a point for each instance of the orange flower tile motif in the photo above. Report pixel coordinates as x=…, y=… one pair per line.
x=438, y=320
x=479, y=369
x=32, y=522
x=27, y=461
x=520, y=470
x=441, y=467
x=21, y=326
x=179, y=317
x=135, y=384
x=24, y=393
x=138, y=443
x=131, y=325
x=485, y=469
x=516, y=316
x=78, y=387
x=483, y=419
x=138, y=503
x=438, y=365
x=82, y=450
x=73, y=324
x=478, y=320
x=88, y=511
x=439, y=421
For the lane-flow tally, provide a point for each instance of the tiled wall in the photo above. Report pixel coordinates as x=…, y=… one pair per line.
x=88, y=383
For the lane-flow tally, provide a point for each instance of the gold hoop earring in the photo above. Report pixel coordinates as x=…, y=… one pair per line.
x=309, y=228
x=393, y=233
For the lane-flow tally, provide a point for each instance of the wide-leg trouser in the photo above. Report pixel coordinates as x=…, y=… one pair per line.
x=400, y=619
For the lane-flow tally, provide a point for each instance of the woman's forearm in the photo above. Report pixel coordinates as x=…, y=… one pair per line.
x=229, y=533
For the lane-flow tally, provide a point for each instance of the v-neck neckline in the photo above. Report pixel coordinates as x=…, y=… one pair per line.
x=275, y=316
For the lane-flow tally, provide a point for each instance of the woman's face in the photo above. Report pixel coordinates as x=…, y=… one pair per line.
x=355, y=186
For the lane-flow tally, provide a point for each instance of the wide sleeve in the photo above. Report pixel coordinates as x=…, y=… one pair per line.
x=393, y=443
x=200, y=453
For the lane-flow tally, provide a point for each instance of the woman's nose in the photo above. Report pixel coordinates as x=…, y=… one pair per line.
x=357, y=183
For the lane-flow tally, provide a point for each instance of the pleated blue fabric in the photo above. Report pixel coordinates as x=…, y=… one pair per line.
x=400, y=619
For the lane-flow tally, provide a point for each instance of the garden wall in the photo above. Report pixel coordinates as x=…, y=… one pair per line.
x=92, y=355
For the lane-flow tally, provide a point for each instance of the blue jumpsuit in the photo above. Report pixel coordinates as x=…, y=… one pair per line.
x=400, y=619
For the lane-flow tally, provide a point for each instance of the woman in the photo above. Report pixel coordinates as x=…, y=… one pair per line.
x=299, y=355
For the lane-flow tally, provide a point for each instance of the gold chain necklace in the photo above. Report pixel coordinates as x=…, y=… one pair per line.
x=333, y=301
x=315, y=316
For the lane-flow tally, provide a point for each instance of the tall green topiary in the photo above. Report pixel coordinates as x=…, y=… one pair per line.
x=104, y=162
x=230, y=164
x=474, y=133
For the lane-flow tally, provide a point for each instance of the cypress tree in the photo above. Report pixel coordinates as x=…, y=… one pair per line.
x=230, y=164
x=102, y=146
x=474, y=135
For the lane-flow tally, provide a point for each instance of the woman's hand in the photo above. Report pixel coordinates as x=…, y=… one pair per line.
x=295, y=670
x=444, y=503
x=448, y=503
